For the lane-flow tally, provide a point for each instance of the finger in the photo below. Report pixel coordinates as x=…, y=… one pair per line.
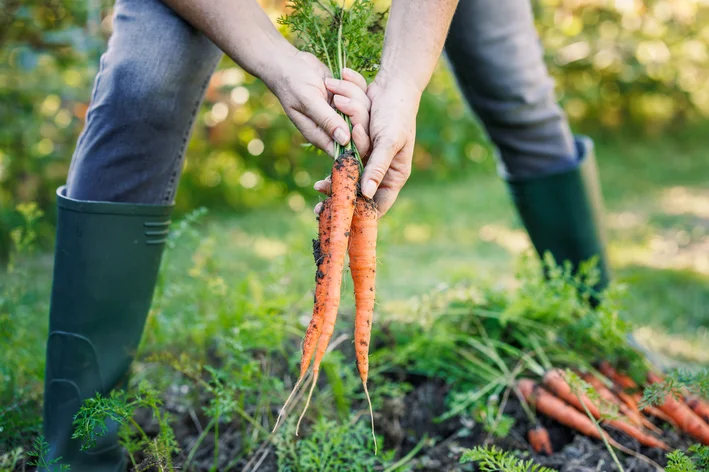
x=318, y=208
x=357, y=112
x=323, y=186
x=312, y=132
x=379, y=161
x=361, y=140
x=384, y=199
x=319, y=111
x=354, y=77
x=349, y=90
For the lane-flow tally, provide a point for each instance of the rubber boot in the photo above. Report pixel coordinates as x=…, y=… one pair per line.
x=106, y=264
x=562, y=213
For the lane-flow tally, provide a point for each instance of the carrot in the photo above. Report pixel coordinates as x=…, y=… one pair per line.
x=538, y=438
x=635, y=416
x=686, y=419
x=632, y=399
x=363, y=268
x=622, y=380
x=559, y=410
x=698, y=405
x=345, y=175
x=555, y=381
x=320, y=249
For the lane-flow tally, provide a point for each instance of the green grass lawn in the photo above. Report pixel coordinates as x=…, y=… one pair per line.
x=236, y=273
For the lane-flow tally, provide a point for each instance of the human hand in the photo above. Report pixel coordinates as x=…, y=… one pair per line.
x=392, y=128
x=298, y=81
x=350, y=97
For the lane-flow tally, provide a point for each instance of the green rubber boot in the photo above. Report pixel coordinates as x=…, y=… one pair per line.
x=563, y=213
x=106, y=264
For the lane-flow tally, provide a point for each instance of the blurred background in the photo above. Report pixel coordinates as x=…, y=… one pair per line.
x=627, y=67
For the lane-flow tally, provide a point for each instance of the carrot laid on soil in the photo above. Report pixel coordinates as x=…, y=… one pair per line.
x=538, y=438
x=345, y=175
x=623, y=382
x=557, y=409
x=320, y=251
x=686, y=419
x=363, y=268
x=635, y=416
x=555, y=381
x=699, y=406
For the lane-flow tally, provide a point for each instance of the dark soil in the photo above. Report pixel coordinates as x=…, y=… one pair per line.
x=404, y=422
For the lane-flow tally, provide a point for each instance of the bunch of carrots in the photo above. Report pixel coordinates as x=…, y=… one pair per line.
x=340, y=37
x=347, y=224
x=557, y=400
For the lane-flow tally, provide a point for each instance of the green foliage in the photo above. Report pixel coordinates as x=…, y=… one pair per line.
x=19, y=299
x=696, y=459
x=327, y=447
x=330, y=32
x=630, y=64
x=493, y=459
x=675, y=383
x=40, y=451
x=97, y=413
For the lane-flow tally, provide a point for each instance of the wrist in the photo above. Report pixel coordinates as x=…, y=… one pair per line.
x=273, y=67
x=400, y=84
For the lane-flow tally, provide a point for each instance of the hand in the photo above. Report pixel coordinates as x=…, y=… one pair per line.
x=392, y=127
x=350, y=97
x=298, y=80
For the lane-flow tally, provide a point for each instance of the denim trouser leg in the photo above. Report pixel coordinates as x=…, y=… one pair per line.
x=150, y=84
x=496, y=56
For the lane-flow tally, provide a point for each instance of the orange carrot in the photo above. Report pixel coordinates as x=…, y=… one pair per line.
x=686, y=419
x=632, y=399
x=699, y=406
x=622, y=380
x=557, y=409
x=345, y=175
x=538, y=438
x=363, y=268
x=555, y=381
x=320, y=249
x=635, y=416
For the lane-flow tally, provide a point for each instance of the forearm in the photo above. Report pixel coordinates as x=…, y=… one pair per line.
x=241, y=29
x=414, y=39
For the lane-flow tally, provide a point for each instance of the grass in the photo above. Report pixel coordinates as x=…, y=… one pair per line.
x=247, y=277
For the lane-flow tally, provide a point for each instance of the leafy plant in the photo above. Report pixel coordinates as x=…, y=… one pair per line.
x=91, y=423
x=40, y=451
x=328, y=447
x=696, y=459
x=675, y=383
x=493, y=459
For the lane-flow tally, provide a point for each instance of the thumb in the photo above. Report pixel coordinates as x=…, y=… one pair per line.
x=378, y=164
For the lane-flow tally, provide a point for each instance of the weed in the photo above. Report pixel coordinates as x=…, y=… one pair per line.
x=492, y=459
x=696, y=459
x=40, y=451
x=328, y=447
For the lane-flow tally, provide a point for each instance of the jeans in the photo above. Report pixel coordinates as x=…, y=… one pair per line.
x=152, y=79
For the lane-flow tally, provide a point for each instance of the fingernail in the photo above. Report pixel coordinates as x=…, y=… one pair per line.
x=317, y=208
x=369, y=188
x=340, y=100
x=319, y=185
x=341, y=137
